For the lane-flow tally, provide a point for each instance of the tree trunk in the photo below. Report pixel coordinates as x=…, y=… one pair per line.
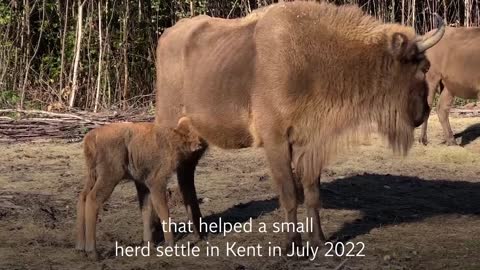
x=25, y=40
x=90, y=9
x=77, y=53
x=62, y=57
x=392, y=18
x=445, y=12
x=125, y=56
x=192, y=11
x=478, y=13
x=100, y=59
x=467, y=13
x=413, y=13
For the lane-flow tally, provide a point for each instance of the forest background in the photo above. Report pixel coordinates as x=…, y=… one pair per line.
x=100, y=55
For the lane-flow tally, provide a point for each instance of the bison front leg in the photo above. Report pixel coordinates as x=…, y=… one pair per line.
x=311, y=189
x=279, y=159
x=433, y=80
x=444, y=104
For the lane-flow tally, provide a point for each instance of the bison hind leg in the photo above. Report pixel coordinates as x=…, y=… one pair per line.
x=313, y=204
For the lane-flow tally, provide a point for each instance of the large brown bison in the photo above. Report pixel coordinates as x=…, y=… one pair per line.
x=455, y=68
x=301, y=80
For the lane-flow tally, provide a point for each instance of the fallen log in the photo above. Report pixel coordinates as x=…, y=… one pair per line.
x=28, y=125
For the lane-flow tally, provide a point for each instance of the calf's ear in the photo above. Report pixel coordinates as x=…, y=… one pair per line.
x=183, y=126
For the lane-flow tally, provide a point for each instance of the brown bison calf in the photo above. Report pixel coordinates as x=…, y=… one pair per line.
x=141, y=152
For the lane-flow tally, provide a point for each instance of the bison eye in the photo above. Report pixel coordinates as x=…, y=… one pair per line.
x=426, y=66
x=423, y=65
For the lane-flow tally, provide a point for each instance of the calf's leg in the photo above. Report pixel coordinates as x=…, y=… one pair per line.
x=186, y=183
x=444, y=105
x=158, y=195
x=152, y=230
x=99, y=194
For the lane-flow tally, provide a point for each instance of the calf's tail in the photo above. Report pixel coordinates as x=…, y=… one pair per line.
x=89, y=151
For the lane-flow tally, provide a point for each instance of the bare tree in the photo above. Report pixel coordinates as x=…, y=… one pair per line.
x=62, y=57
x=192, y=10
x=413, y=12
x=125, y=55
x=77, y=53
x=467, y=12
x=100, y=57
x=29, y=63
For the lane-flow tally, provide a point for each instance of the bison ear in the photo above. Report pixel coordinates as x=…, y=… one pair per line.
x=399, y=46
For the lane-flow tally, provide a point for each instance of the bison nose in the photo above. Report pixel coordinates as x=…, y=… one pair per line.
x=419, y=121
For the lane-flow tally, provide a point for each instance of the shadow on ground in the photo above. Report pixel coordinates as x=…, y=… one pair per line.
x=470, y=134
x=382, y=199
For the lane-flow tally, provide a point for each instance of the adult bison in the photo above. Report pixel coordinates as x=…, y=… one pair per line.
x=301, y=80
x=455, y=67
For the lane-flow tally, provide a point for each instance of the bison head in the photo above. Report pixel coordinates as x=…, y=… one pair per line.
x=412, y=65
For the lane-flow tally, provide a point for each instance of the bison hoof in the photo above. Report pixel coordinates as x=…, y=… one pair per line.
x=451, y=143
x=80, y=247
x=169, y=243
x=93, y=255
x=294, y=242
x=316, y=243
x=200, y=235
x=423, y=141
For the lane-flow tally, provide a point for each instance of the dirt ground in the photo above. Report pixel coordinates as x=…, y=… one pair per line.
x=418, y=212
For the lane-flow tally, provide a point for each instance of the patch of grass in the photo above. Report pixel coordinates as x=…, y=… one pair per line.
x=454, y=155
x=473, y=244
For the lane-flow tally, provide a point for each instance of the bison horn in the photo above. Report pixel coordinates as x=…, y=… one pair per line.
x=427, y=43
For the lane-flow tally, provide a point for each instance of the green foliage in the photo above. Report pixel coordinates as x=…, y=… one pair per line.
x=52, y=64
x=19, y=36
x=84, y=130
x=5, y=14
x=8, y=98
x=458, y=102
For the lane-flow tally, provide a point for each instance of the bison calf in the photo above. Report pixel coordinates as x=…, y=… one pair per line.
x=141, y=152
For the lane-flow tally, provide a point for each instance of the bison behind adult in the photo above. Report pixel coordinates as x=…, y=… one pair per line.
x=456, y=68
x=300, y=79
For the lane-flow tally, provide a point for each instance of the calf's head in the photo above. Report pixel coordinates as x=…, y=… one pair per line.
x=189, y=135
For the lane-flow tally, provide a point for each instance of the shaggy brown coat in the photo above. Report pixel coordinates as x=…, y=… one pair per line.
x=300, y=79
x=136, y=151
